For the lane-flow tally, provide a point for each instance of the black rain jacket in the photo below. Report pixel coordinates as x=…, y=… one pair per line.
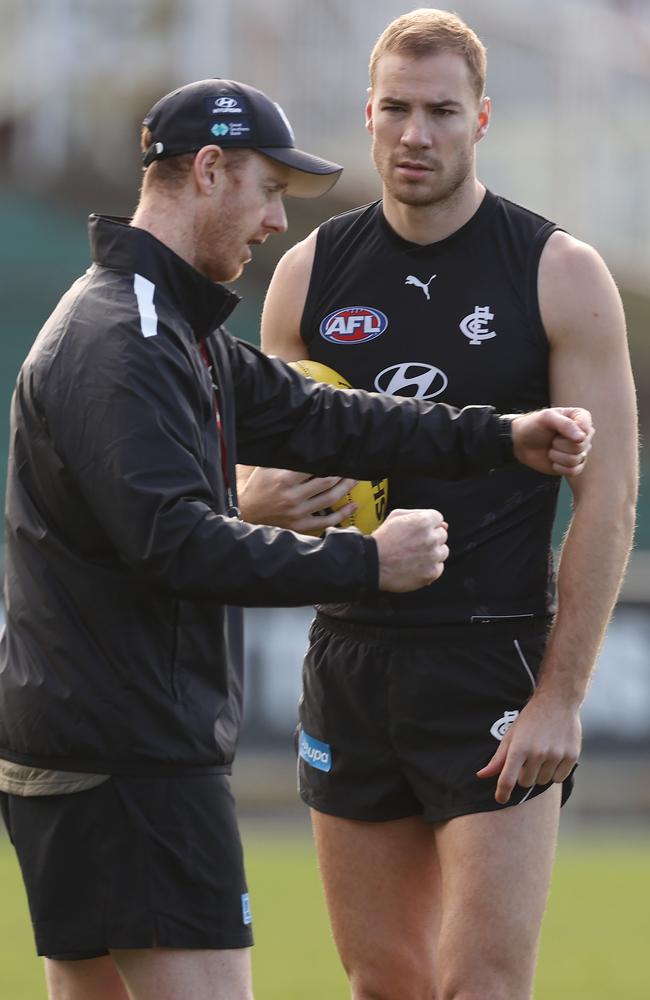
x=122, y=652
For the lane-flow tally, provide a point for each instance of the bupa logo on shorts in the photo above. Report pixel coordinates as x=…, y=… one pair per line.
x=353, y=325
x=318, y=754
x=246, y=915
x=502, y=725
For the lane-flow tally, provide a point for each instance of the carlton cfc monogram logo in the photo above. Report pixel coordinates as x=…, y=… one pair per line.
x=502, y=725
x=475, y=325
x=353, y=325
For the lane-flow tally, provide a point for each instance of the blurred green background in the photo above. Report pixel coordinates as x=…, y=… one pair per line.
x=594, y=943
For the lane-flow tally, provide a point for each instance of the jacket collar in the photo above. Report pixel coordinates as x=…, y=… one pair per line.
x=117, y=245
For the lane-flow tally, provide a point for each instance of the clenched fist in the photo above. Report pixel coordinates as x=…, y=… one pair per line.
x=412, y=547
x=554, y=441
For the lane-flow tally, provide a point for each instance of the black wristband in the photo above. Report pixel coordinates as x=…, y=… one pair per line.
x=505, y=439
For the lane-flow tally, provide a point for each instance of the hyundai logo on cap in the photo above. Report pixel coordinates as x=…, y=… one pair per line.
x=233, y=115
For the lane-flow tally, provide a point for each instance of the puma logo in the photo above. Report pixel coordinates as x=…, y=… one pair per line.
x=412, y=280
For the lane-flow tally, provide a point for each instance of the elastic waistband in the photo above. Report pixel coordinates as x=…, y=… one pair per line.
x=131, y=769
x=515, y=627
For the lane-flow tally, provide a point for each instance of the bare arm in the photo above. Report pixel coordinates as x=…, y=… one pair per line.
x=583, y=316
x=276, y=496
x=285, y=302
x=590, y=361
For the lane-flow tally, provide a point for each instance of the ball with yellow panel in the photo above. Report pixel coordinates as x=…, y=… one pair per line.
x=371, y=497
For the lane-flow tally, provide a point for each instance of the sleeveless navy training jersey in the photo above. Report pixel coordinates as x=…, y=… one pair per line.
x=458, y=322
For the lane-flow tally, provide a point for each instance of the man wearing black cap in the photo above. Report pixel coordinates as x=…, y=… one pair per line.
x=234, y=115
x=120, y=665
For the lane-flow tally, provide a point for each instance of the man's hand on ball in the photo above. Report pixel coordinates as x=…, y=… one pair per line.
x=293, y=499
x=412, y=547
x=555, y=441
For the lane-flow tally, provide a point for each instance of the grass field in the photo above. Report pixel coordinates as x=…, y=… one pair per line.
x=595, y=942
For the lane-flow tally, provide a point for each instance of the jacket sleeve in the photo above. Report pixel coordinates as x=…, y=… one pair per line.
x=126, y=419
x=287, y=421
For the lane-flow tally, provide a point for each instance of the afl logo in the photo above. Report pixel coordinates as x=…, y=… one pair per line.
x=353, y=325
x=412, y=379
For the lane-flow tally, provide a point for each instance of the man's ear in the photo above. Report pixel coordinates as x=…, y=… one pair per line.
x=483, y=118
x=208, y=167
x=369, y=122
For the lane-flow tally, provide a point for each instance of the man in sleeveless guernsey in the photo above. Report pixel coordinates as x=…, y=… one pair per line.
x=451, y=715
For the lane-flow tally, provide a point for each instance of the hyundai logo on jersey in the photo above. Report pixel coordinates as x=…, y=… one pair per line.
x=353, y=325
x=410, y=378
x=318, y=754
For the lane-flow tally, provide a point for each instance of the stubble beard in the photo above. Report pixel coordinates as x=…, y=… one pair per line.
x=443, y=191
x=218, y=247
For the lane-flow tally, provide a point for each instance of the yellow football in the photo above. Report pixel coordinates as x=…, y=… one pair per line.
x=371, y=498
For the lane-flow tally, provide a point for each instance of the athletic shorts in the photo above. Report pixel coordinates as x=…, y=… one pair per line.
x=396, y=722
x=134, y=863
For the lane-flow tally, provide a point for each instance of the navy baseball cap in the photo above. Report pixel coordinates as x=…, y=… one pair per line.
x=234, y=116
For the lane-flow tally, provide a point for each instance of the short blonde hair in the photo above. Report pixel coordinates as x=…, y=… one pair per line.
x=426, y=31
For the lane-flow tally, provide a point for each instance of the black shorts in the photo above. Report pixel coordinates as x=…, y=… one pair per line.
x=134, y=863
x=396, y=722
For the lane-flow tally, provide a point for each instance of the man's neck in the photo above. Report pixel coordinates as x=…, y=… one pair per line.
x=169, y=225
x=426, y=224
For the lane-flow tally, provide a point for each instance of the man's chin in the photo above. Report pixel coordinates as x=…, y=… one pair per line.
x=424, y=187
x=422, y=195
x=416, y=198
x=234, y=272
